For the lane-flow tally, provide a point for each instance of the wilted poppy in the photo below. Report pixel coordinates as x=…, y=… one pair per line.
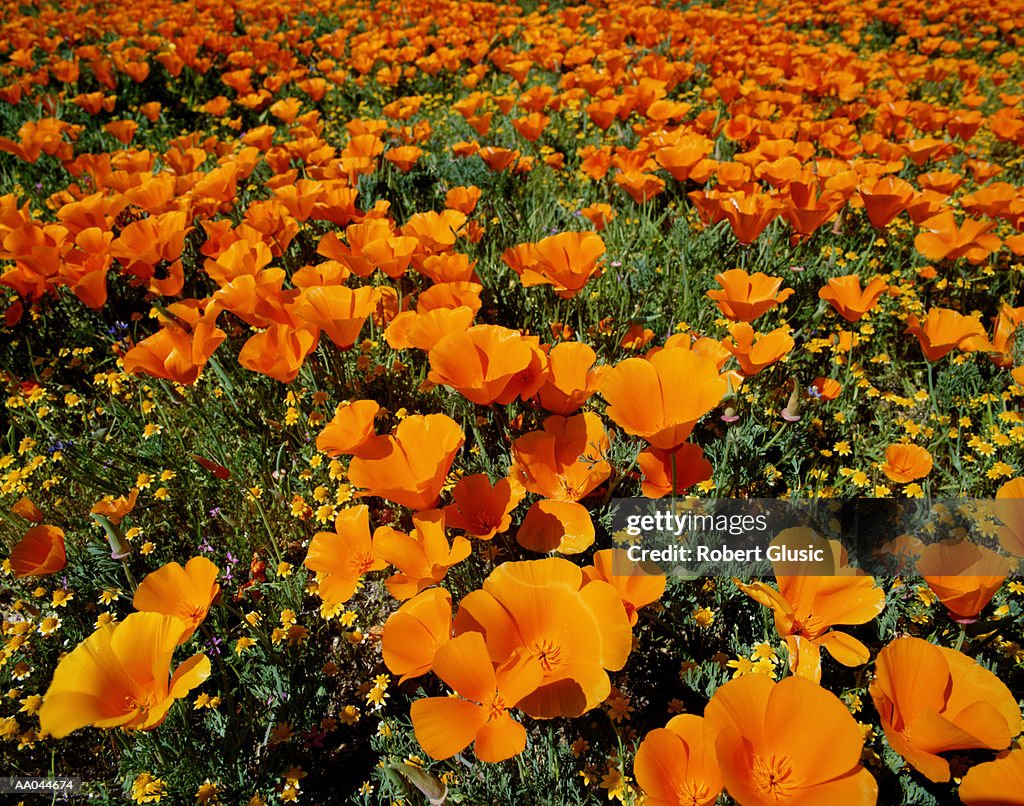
x=905, y=462
x=349, y=429
x=340, y=558
x=423, y=557
x=965, y=576
x=744, y=297
x=39, y=552
x=183, y=592
x=481, y=509
x=414, y=632
x=445, y=726
x=575, y=629
x=677, y=765
x=662, y=397
x=933, y=700
x=787, y=741
x=118, y=677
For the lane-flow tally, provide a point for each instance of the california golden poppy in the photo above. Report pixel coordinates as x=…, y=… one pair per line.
x=571, y=378
x=677, y=764
x=408, y=467
x=482, y=509
x=338, y=311
x=661, y=398
x=905, y=462
x=423, y=557
x=488, y=364
x=845, y=295
x=994, y=783
x=744, y=297
x=565, y=261
x=183, y=592
x=944, y=330
x=446, y=725
x=754, y=352
x=806, y=607
x=349, y=429
x=414, y=632
x=672, y=472
x=932, y=700
x=787, y=741
x=576, y=630
x=964, y=575
x=637, y=585
x=118, y=677
x=340, y=558
x=40, y=552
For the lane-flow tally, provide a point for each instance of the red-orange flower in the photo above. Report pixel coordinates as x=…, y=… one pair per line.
x=905, y=462
x=488, y=364
x=183, y=592
x=480, y=509
x=39, y=552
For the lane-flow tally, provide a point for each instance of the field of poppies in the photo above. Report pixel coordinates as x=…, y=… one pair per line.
x=332, y=333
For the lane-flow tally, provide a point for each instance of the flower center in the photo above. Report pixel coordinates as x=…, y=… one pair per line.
x=548, y=653
x=692, y=793
x=774, y=777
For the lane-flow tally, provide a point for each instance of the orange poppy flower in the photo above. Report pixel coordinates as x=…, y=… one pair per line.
x=885, y=197
x=677, y=764
x=349, y=429
x=183, y=592
x=943, y=240
x=744, y=297
x=482, y=509
x=661, y=398
x=964, y=575
x=115, y=509
x=599, y=215
x=845, y=295
x=463, y=199
x=39, y=552
x=564, y=462
x=933, y=700
x=424, y=329
x=994, y=782
x=787, y=741
x=279, y=351
x=562, y=526
x=24, y=508
x=404, y=157
x=445, y=726
x=565, y=261
x=806, y=607
x=641, y=187
x=174, y=354
x=668, y=472
x=408, y=467
x=825, y=388
x=754, y=355
x=422, y=558
x=118, y=677
x=436, y=232
x=413, y=633
x=338, y=311
x=944, y=330
x=749, y=214
x=340, y=558
x=636, y=585
x=1009, y=508
x=572, y=377
x=905, y=462
x=488, y=364
x=576, y=630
